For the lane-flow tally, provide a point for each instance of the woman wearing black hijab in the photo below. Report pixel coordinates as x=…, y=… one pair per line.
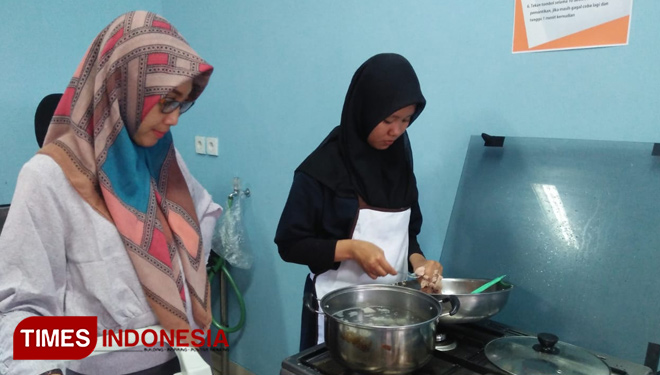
x=352, y=214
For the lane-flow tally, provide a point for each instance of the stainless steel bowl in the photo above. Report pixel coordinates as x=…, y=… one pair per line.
x=474, y=307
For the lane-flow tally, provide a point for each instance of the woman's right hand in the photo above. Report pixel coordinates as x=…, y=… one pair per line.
x=369, y=256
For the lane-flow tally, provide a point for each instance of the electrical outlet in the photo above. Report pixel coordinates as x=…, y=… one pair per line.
x=200, y=144
x=212, y=146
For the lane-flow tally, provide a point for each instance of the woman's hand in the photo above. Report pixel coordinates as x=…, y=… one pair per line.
x=369, y=256
x=428, y=272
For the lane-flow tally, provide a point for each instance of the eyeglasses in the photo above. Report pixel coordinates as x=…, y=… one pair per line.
x=169, y=105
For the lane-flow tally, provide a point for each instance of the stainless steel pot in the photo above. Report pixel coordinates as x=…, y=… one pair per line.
x=474, y=307
x=400, y=348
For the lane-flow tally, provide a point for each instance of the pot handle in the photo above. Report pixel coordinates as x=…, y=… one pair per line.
x=312, y=303
x=454, y=301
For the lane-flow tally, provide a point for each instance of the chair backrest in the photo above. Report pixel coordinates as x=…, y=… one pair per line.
x=43, y=115
x=4, y=211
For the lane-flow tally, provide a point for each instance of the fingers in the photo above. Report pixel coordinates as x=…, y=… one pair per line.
x=372, y=260
x=381, y=268
x=429, y=276
x=375, y=272
x=385, y=266
x=433, y=269
x=429, y=269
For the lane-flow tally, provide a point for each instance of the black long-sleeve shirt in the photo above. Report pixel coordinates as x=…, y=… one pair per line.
x=315, y=218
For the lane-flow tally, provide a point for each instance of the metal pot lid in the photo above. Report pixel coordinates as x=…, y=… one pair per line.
x=545, y=354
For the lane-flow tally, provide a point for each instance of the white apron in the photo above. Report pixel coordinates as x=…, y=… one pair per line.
x=386, y=229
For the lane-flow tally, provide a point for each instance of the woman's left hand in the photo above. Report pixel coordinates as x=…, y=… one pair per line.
x=429, y=274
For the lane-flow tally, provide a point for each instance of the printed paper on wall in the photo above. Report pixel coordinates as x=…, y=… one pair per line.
x=542, y=25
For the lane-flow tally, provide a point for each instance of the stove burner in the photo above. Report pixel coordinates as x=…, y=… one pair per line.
x=446, y=346
x=445, y=343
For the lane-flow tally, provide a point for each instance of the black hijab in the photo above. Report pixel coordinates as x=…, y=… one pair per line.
x=345, y=162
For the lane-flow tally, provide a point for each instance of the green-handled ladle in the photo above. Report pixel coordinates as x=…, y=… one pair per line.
x=488, y=285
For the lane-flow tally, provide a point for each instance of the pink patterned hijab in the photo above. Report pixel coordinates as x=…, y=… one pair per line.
x=136, y=60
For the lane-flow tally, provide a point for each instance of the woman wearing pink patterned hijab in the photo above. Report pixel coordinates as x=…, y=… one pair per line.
x=106, y=220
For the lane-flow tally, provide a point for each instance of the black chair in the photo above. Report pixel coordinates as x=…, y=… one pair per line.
x=42, y=117
x=4, y=211
x=44, y=114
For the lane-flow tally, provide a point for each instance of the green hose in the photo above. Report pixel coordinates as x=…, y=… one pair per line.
x=220, y=265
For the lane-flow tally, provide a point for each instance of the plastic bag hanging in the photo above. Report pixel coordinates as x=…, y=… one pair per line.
x=229, y=239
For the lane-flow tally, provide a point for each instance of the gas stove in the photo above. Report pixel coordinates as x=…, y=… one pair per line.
x=459, y=351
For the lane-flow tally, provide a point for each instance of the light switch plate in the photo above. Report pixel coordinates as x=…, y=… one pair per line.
x=200, y=144
x=212, y=146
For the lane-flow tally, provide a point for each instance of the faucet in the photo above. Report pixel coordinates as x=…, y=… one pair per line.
x=237, y=190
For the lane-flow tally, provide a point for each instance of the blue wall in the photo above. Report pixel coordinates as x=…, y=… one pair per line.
x=41, y=47
x=282, y=70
